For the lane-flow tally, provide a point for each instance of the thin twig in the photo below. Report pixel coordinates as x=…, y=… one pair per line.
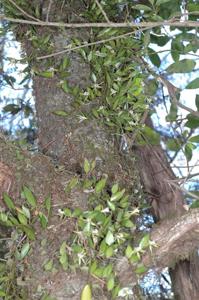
x=172, y=93
x=24, y=12
x=48, y=10
x=191, y=24
x=102, y=11
x=183, y=189
x=87, y=44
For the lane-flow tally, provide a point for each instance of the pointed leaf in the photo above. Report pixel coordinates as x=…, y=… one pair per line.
x=110, y=283
x=194, y=139
x=159, y=2
x=87, y=166
x=142, y=7
x=144, y=243
x=193, y=121
x=8, y=201
x=29, y=196
x=61, y=113
x=197, y=102
x=47, y=203
x=194, y=84
x=100, y=185
x=117, y=196
x=86, y=293
x=25, y=249
x=109, y=238
x=182, y=66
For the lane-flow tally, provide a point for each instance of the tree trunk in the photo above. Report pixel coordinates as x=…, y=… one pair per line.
x=167, y=201
x=69, y=142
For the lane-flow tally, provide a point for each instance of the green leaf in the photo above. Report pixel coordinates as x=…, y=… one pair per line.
x=109, y=239
x=160, y=40
x=60, y=113
x=110, y=283
x=109, y=252
x=194, y=139
x=12, y=108
x=25, y=249
x=197, y=102
x=72, y=183
x=47, y=204
x=195, y=204
x=128, y=251
x=128, y=223
x=172, y=116
x=8, y=201
x=100, y=185
x=154, y=57
x=188, y=151
x=142, y=7
x=114, y=188
x=176, y=48
x=29, y=231
x=152, y=1
x=93, y=267
x=26, y=211
x=65, y=87
x=107, y=270
x=117, y=196
x=182, y=66
x=47, y=297
x=63, y=256
x=194, y=84
x=46, y=74
x=77, y=212
x=22, y=218
x=43, y=220
x=141, y=269
x=29, y=197
x=111, y=205
x=193, y=121
x=48, y=265
x=3, y=217
x=144, y=243
x=67, y=212
x=86, y=293
x=152, y=137
x=2, y=293
x=87, y=166
x=173, y=145
x=159, y=2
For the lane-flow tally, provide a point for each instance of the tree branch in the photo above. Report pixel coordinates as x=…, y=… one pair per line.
x=176, y=239
x=171, y=22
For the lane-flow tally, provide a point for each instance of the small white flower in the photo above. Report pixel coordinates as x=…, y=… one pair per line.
x=82, y=118
x=60, y=212
x=106, y=210
x=126, y=291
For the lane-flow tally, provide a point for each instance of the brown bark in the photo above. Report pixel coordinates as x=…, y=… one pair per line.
x=69, y=142
x=167, y=202
x=175, y=238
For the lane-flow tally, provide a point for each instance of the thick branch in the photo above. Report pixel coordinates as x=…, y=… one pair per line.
x=175, y=238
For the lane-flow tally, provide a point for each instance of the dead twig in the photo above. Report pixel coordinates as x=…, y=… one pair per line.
x=102, y=11
x=24, y=12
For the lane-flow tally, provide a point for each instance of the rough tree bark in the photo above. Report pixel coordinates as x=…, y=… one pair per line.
x=167, y=202
x=68, y=142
